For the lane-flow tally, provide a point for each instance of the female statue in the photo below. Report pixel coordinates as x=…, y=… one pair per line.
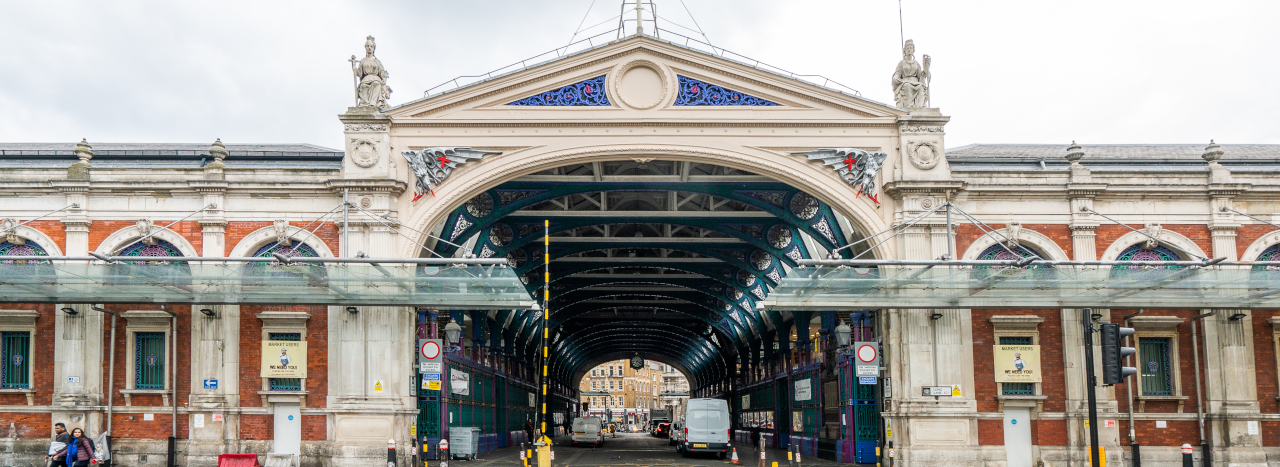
x=371, y=78
x=910, y=81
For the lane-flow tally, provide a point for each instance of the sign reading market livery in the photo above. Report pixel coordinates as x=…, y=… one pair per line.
x=284, y=359
x=1017, y=363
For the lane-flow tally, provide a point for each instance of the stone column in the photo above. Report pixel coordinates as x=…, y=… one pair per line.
x=77, y=367
x=1230, y=385
x=215, y=360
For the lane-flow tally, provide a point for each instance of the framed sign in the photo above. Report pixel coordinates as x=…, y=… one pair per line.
x=1017, y=363
x=284, y=359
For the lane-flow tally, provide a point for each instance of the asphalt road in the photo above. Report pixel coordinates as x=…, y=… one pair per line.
x=630, y=450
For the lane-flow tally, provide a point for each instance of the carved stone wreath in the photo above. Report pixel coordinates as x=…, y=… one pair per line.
x=364, y=152
x=923, y=154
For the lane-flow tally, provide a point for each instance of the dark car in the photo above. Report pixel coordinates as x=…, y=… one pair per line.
x=662, y=430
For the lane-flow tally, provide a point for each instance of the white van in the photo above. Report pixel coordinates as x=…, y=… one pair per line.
x=589, y=430
x=705, y=428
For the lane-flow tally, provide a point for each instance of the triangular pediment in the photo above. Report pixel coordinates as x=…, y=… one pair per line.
x=641, y=77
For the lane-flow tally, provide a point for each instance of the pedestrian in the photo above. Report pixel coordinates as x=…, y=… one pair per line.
x=60, y=440
x=79, y=451
x=528, y=429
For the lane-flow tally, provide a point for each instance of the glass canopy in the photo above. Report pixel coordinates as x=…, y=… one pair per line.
x=470, y=286
x=1231, y=286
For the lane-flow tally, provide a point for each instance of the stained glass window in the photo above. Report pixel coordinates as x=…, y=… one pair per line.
x=1153, y=356
x=1139, y=253
x=310, y=272
x=15, y=370
x=161, y=248
x=1017, y=389
x=1000, y=252
x=28, y=248
x=285, y=384
x=586, y=93
x=148, y=360
x=1272, y=253
x=694, y=92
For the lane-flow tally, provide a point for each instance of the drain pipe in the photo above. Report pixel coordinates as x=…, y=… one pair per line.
x=1133, y=436
x=1205, y=445
x=111, y=369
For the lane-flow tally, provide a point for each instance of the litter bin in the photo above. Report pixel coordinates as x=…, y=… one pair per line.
x=464, y=442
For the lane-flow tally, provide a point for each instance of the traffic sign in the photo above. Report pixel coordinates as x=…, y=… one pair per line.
x=430, y=358
x=431, y=376
x=866, y=380
x=935, y=391
x=866, y=358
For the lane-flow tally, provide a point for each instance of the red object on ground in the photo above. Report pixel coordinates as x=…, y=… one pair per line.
x=238, y=460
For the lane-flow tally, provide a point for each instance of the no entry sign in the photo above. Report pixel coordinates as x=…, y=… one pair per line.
x=866, y=358
x=429, y=351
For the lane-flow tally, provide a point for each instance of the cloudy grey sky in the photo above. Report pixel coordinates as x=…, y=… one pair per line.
x=277, y=72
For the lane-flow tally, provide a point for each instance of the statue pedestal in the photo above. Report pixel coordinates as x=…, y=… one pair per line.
x=922, y=154
x=367, y=138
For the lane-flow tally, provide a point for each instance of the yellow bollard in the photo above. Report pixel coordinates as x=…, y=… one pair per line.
x=544, y=452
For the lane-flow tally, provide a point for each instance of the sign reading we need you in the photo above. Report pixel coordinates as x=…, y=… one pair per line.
x=1017, y=363
x=284, y=359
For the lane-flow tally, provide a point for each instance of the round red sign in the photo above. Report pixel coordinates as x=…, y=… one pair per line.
x=866, y=353
x=430, y=350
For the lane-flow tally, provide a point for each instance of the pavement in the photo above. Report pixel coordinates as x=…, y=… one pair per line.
x=631, y=450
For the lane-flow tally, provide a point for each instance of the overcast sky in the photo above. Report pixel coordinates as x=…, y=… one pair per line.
x=277, y=71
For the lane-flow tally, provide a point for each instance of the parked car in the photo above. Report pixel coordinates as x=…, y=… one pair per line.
x=588, y=430
x=706, y=428
x=662, y=430
x=677, y=434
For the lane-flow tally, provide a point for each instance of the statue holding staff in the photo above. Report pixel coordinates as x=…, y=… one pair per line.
x=371, y=78
x=910, y=80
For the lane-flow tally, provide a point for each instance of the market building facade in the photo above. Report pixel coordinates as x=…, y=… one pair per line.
x=680, y=190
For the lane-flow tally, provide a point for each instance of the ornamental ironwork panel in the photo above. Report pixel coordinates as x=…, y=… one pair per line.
x=16, y=350
x=148, y=361
x=694, y=92
x=585, y=93
x=1017, y=389
x=285, y=384
x=1153, y=357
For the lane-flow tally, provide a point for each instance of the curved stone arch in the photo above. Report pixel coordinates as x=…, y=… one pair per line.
x=1260, y=245
x=1125, y=241
x=39, y=238
x=267, y=235
x=811, y=177
x=127, y=235
x=1037, y=241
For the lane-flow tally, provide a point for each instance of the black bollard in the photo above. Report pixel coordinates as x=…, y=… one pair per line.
x=1186, y=455
x=391, y=453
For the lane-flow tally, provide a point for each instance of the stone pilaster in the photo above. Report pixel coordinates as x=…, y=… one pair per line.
x=215, y=359
x=921, y=153
x=76, y=220
x=367, y=135
x=1084, y=224
x=1230, y=385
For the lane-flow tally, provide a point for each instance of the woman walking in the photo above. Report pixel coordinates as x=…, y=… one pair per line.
x=78, y=453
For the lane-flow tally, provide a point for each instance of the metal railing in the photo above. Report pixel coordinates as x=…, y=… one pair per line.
x=688, y=43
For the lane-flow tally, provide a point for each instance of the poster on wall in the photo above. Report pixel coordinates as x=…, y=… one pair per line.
x=284, y=359
x=797, y=421
x=1017, y=363
x=804, y=390
x=459, y=382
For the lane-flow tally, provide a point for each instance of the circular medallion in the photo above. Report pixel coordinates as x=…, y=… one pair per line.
x=746, y=278
x=804, y=206
x=640, y=84
x=516, y=259
x=364, y=153
x=926, y=203
x=1152, y=365
x=923, y=155
x=500, y=235
x=735, y=294
x=366, y=203
x=779, y=236
x=480, y=206
x=17, y=360
x=151, y=360
x=761, y=260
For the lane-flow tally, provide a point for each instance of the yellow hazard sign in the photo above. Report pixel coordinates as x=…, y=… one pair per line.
x=377, y=386
x=955, y=390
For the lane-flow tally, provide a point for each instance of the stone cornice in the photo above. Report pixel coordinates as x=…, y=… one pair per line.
x=71, y=186
x=637, y=123
x=1085, y=190
x=209, y=186
x=367, y=185
x=1228, y=189
x=1015, y=322
x=1156, y=323
x=902, y=187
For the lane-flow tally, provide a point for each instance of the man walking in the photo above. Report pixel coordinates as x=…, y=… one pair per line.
x=60, y=435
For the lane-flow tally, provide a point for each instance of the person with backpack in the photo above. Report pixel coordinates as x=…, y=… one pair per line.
x=79, y=451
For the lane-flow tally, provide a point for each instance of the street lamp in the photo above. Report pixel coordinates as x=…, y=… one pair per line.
x=842, y=338
x=452, y=332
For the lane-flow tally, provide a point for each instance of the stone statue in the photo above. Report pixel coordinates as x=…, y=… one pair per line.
x=911, y=80
x=371, y=78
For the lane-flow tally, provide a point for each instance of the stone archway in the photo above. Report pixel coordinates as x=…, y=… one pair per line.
x=809, y=176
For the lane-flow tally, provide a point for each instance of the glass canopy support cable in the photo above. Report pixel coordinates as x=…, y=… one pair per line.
x=171, y=224
x=1144, y=234
x=42, y=216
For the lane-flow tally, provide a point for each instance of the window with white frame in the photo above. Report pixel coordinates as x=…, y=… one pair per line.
x=284, y=326
x=148, y=358
x=16, y=330
x=1156, y=338
x=1017, y=330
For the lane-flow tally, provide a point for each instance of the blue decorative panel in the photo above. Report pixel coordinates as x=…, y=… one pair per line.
x=694, y=92
x=586, y=93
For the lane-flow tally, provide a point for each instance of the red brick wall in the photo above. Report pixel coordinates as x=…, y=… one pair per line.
x=1247, y=234
x=260, y=427
x=42, y=351
x=1198, y=233
x=966, y=234
x=251, y=353
x=189, y=230
x=133, y=425
x=1049, y=433
x=314, y=428
x=181, y=374
x=27, y=425
x=1264, y=360
x=1177, y=433
x=55, y=230
x=238, y=230
x=986, y=388
x=991, y=432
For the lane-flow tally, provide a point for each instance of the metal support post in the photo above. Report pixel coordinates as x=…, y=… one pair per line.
x=346, y=228
x=951, y=244
x=1093, y=385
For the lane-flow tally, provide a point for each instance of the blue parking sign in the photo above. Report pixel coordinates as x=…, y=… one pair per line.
x=866, y=380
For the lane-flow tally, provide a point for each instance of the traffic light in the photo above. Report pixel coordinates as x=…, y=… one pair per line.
x=1113, y=369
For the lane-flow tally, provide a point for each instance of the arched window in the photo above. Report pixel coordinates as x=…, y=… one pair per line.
x=1138, y=253
x=1272, y=253
x=159, y=249
x=27, y=248
x=152, y=270
x=1000, y=252
x=272, y=272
